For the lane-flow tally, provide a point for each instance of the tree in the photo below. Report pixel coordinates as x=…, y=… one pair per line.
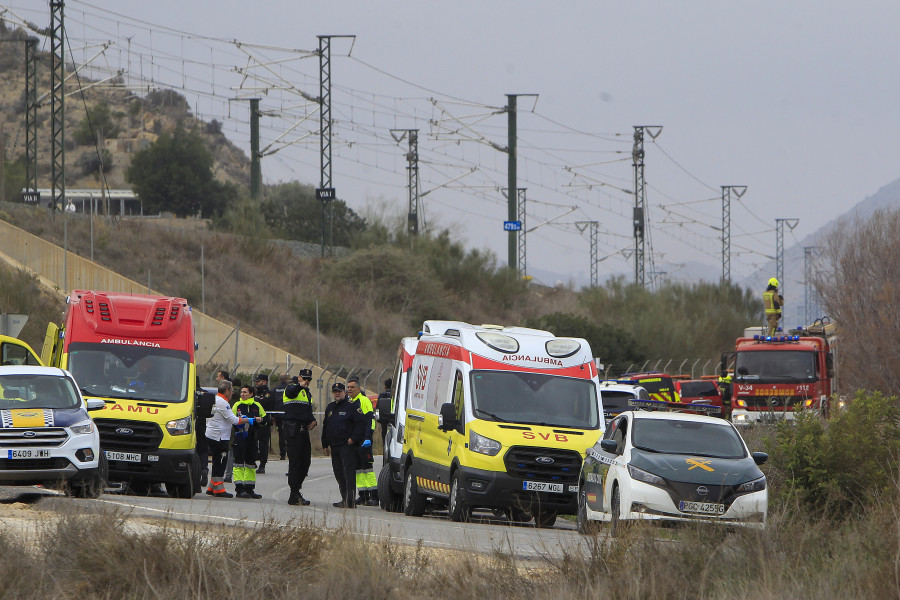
x=98, y=122
x=858, y=279
x=612, y=345
x=293, y=213
x=175, y=174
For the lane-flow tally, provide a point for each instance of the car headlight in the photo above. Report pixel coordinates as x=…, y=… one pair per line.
x=642, y=475
x=483, y=445
x=752, y=486
x=84, y=428
x=180, y=426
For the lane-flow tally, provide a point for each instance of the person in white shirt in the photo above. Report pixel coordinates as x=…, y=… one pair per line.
x=218, y=436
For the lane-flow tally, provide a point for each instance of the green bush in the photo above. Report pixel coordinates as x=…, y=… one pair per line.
x=837, y=466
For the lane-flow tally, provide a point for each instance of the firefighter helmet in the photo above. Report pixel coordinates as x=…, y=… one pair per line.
x=773, y=282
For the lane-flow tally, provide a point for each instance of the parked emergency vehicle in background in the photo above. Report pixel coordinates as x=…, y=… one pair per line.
x=391, y=413
x=15, y=352
x=497, y=418
x=136, y=353
x=775, y=376
x=660, y=386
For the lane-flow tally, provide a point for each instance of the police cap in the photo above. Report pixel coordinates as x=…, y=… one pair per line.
x=306, y=373
x=338, y=387
x=262, y=377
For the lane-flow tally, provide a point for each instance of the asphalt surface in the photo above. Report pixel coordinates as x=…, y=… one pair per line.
x=484, y=533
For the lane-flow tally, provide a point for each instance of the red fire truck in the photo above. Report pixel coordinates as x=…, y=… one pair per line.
x=776, y=376
x=136, y=353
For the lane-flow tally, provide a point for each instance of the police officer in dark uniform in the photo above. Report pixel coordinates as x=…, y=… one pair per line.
x=278, y=420
x=264, y=432
x=298, y=422
x=343, y=432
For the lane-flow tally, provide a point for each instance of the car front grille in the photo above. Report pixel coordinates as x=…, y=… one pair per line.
x=38, y=437
x=143, y=437
x=775, y=403
x=543, y=464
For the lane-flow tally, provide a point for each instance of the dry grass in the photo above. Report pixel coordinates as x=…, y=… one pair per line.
x=103, y=555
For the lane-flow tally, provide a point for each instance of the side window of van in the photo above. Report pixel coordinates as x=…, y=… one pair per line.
x=13, y=354
x=458, y=401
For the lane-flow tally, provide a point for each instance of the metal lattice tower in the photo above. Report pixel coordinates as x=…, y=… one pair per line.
x=811, y=307
x=595, y=228
x=640, y=195
x=779, y=249
x=412, y=173
x=325, y=123
x=31, y=114
x=520, y=205
x=57, y=107
x=640, y=198
x=739, y=191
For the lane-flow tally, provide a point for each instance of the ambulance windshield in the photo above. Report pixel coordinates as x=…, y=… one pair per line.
x=129, y=372
x=535, y=399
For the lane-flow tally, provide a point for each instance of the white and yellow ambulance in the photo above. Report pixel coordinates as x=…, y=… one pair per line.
x=497, y=418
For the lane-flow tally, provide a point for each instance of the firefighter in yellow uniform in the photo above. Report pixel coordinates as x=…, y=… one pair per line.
x=366, y=482
x=773, y=302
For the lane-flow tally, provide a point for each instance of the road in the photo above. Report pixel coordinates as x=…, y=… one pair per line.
x=484, y=534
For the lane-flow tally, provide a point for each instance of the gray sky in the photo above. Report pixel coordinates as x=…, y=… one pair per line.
x=797, y=100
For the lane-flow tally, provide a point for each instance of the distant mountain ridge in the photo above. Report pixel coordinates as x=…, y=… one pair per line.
x=888, y=196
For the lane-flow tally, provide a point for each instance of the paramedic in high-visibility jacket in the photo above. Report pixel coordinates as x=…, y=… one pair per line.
x=245, y=445
x=298, y=422
x=366, y=482
x=343, y=432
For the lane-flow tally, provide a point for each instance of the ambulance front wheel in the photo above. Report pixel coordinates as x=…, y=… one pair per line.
x=458, y=509
x=413, y=501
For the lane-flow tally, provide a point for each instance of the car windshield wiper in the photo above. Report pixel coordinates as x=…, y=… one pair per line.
x=490, y=414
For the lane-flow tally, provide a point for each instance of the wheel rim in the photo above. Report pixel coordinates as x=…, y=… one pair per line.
x=454, y=502
x=582, y=510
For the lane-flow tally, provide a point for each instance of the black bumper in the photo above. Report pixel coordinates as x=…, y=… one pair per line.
x=160, y=466
x=492, y=489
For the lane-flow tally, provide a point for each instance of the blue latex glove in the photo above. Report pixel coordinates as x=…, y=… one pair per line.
x=366, y=444
x=250, y=420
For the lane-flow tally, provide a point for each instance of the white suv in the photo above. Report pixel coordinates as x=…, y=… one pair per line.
x=46, y=434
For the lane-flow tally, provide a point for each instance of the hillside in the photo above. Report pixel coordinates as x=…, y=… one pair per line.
x=137, y=119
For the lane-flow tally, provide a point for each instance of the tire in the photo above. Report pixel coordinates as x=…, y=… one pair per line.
x=387, y=499
x=517, y=515
x=545, y=518
x=458, y=509
x=616, y=524
x=585, y=525
x=413, y=501
x=91, y=487
x=185, y=489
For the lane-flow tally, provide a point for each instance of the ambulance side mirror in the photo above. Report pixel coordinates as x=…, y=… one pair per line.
x=383, y=412
x=447, y=419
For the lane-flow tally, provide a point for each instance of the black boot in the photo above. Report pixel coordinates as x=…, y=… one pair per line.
x=294, y=498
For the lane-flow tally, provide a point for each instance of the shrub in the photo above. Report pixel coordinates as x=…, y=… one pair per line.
x=840, y=465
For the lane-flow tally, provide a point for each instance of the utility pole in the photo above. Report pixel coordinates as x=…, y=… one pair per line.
x=640, y=197
x=57, y=107
x=412, y=171
x=779, y=249
x=809, y=302
x=511, y=204
x=594, y=225
x=727, y=190
x=512, y=225
x=255, y=174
